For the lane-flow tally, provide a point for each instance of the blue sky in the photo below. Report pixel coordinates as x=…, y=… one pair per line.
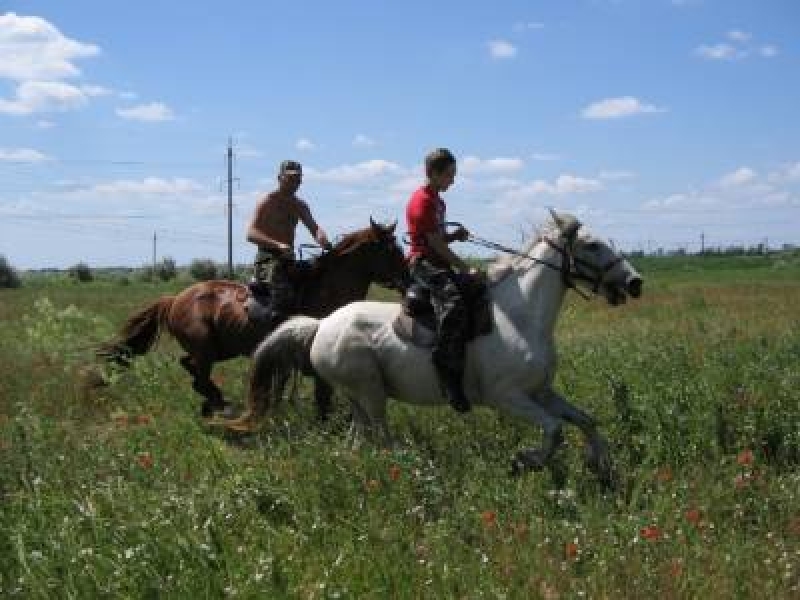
x=655, y=121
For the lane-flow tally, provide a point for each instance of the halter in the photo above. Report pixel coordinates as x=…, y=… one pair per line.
x=568, y=267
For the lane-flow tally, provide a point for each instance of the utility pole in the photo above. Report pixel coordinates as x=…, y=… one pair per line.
x=702, y=243
x=154, y=254
x=230, y=208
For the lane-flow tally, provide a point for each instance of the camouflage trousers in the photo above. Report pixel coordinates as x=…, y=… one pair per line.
x=271, y=269
x=449, y=307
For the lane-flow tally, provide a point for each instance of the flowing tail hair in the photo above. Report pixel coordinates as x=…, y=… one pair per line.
x=283, y=353
x=139, y=333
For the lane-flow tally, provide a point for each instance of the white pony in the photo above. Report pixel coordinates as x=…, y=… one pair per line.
x=511, y=369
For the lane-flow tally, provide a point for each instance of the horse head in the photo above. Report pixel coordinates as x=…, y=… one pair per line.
x=375, y=252
x=595, y=261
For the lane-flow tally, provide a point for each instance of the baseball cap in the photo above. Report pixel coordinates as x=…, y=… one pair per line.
x=291, y=167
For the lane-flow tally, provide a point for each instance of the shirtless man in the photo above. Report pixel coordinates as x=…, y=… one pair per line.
x=272, y=230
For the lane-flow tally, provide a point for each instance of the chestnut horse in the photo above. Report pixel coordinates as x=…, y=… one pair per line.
x=210, y=322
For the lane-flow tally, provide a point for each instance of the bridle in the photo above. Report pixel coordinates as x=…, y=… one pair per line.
x=571, y=268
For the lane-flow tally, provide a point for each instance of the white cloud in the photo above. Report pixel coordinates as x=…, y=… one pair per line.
x=44, y=96
x=355, y=174
x=501, y=49
x=244, y=150
x=472, y=165
x=719, y=52
x=570, y=184
x=148, y=186
x=33, y=49
x=740, y=37
x=563, y=185
x=768, y=51
x=44, y=124
x=305, y=144
x=545, y=156
x=740, y=47
x=154, y=111
x=614, y=108
x=739, y=177
x=616, y=175
x=527, y=26
x=96, y=90
x=22, y=155
x=363, y=141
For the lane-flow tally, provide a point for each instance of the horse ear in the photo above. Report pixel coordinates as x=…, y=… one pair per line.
x=569, y=227
x=391, y=226
x=556, y=219
x=373, y=224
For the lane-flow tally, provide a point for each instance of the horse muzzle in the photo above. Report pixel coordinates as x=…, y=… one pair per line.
x=634, y=286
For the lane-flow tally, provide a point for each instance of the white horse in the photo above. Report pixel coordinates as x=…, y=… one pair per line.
x=356, y=350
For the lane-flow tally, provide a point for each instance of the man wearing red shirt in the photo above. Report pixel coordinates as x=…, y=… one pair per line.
x=433, y=265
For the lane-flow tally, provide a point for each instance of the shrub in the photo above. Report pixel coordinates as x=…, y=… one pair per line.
x=80, y=272
x=203, y=269
x=166, y=270
x=8, y=275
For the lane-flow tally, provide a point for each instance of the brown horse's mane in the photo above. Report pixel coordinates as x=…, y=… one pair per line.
x=353, y=240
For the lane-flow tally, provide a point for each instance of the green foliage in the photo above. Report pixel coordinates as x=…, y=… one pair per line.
x=80, y=273
x=120, y=491
x=166, y=269
x=8, y=275
x=203, y=269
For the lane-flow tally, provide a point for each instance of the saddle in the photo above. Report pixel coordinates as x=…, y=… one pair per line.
x=259, y=304
x=416, y=323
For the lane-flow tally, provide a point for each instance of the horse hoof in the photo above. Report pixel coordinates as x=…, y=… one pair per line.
x=527, y=460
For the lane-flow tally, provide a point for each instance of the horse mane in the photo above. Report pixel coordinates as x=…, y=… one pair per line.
x=353, y=240
x=507, y=263
x=347, y=244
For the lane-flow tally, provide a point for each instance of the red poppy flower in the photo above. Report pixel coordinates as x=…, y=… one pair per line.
x=693, y=515
x=571, y=550
x=745, y=457
x=664, y=475
x=143, y=420
x=651, y=533
x=394, y=472
x=145, y=460
x=676, y=567
x=489, y=518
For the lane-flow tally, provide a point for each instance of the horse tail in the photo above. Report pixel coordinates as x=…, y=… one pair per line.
x=139, y=333
x=286, y=351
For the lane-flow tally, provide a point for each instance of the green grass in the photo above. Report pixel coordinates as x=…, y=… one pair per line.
x=120, y=492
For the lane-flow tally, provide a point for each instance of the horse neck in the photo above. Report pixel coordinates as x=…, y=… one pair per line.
x=534, y=298
x=344, y=280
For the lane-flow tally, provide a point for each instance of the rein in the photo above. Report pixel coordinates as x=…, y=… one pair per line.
x=569, y=274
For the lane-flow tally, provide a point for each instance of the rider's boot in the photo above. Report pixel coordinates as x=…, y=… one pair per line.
x=451, y=376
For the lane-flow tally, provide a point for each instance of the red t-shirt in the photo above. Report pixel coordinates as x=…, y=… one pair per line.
x=425, y=213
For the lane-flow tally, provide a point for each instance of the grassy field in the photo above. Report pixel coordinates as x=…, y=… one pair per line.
x=120, y=492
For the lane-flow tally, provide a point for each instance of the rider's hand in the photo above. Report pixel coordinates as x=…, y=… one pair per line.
x=477, y=273
x=287, y=251
x=461, y=234
x=322, y=240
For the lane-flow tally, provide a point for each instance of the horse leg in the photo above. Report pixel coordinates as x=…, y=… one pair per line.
x=521, y=405
x=368, y=397
x=358, y=425
x=322, y=398
x=598, y=456
x=200, y=370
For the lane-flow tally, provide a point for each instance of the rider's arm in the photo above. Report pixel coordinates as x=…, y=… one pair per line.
x=439, y=244
x=304, y=213
x=256, y=235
